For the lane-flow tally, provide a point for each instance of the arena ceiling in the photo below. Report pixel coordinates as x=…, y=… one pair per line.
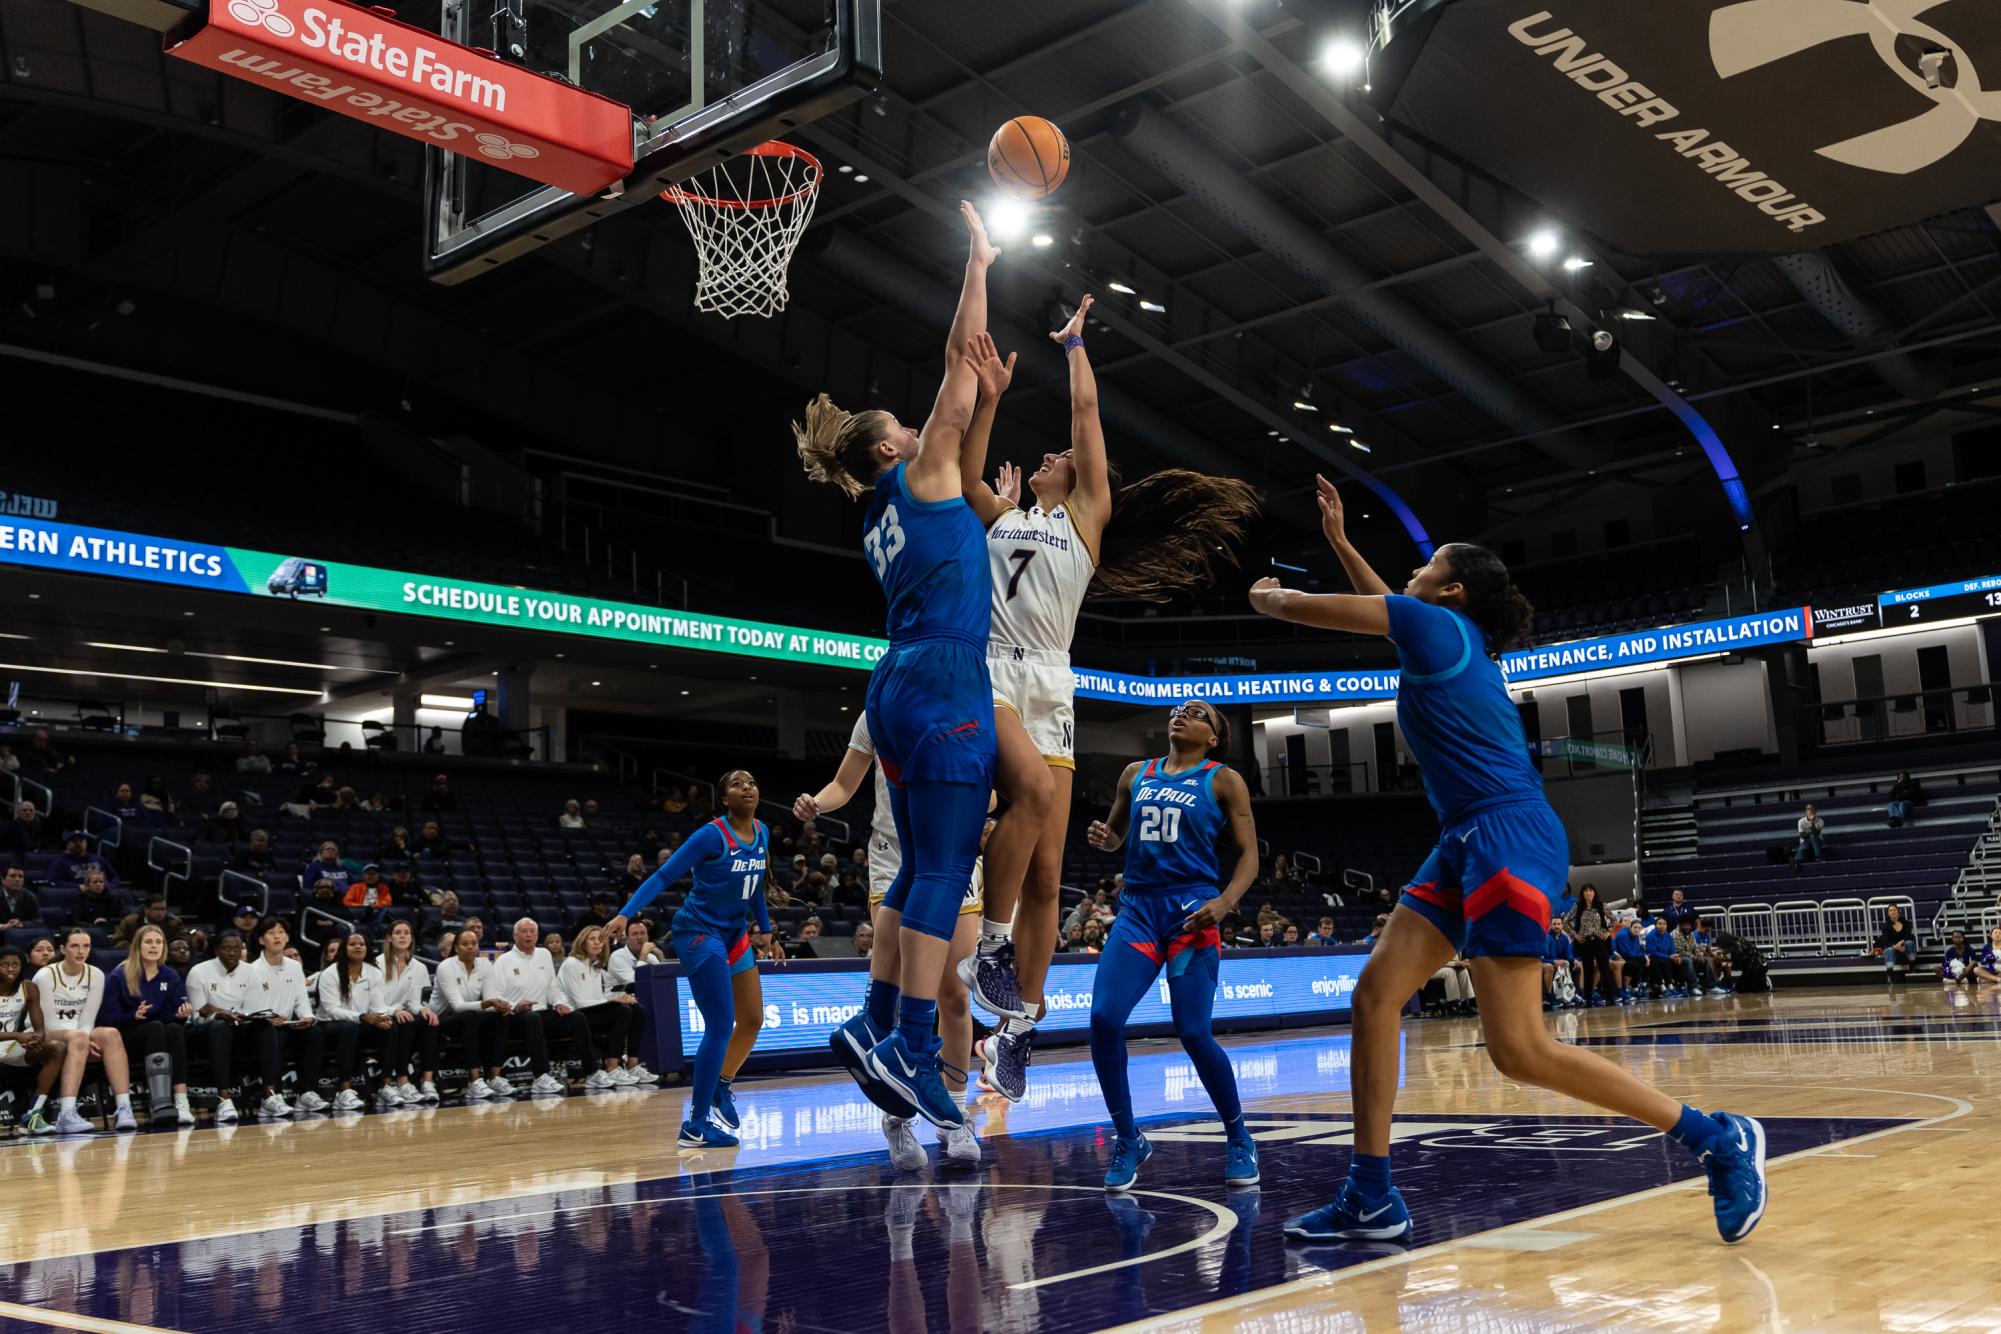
x=159, y=217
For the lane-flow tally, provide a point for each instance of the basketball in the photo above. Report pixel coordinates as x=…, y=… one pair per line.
x=1029, y=157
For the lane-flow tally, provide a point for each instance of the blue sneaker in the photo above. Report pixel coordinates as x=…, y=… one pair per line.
x=1006, y=1055
x=1241, y=1167
x=706, y=1135
x=723, y=1112
x=1737, y=1175
x=851, y=1043
x=1352, y=1218
x=1127, y=1155
x=989, y=978
x=916, y=1079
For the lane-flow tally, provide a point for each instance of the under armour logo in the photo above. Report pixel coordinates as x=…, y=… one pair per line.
x=1755, y=33
x=495, y=146
x=261, y=14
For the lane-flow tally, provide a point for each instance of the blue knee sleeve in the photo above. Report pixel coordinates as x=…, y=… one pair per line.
x=944, y=821
x=709, y=984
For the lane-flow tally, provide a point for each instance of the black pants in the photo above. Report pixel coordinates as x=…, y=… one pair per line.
x=147, y=1036
x=349, y=1036
x=224, y=1041
x=417, y=1036
x=608, y=1030
x=306, y=1046
x=480, y=1032
x=530, y=1031
x=1596, y=956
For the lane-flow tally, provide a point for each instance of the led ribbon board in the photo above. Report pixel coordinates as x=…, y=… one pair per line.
x=1942, y=602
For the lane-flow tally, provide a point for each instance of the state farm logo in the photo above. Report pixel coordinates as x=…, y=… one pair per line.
x=1755, y=33
x=261, y=14
x=496, y=146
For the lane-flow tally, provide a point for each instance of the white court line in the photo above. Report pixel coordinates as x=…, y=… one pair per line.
x=1180, y=1318
x=42, y=1315
x=1226, y=1220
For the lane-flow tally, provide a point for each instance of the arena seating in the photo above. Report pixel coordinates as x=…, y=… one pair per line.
x=1845, y=556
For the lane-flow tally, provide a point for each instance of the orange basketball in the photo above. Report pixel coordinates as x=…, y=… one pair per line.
x=1029, y=157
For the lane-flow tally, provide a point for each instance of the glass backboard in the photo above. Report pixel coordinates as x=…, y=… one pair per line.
x=705, y=79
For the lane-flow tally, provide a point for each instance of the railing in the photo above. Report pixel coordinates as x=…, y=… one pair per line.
x=109, y=835
x=306, y=916
x=1755, y=924
x=1360, y=882
x=1799, y=929
x=1306, y=862
x=262, y=891
x=169, y=873
x=1845, y=926
x=18, y=784
x=1872, y=718
x=382, y=734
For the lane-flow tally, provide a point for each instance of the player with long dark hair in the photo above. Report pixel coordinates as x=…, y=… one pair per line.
x=1502, y=859
x=1180, y=805
x=728, y=858
x=1166, y=533
x=930, y=702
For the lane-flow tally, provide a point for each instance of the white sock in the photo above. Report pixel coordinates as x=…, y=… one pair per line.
x=899, y=1242
x=962, y=1229
x=180, y=1102
x=41, y=1101
x=67, y=1106
x=994, y=934
x=124, y=1102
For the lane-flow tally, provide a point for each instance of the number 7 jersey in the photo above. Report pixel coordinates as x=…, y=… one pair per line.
x=1041, y=571
x=1171, y=834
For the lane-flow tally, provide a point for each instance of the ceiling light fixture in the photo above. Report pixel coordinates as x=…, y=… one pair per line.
x=162, y=680
x=457, y=702
x=1153, y=306
x=1339, y=429
x=1006, y=218
x=123, y=648
x=1628, y=313
x=6, y=635
x=1120, y=288
x=861, y=178
x=1042, y=240
x=1576, y=262
x=1359, y=445
x=1303, y=405
x=1543, y=244
x=1343, y=56
x=286, y=662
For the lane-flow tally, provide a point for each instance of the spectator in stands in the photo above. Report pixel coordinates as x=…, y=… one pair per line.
x=572, y=816
x=700, y=807
x=327, y=865
x=434, y=744
x=1592, y=927
x=814, y=893
x=631, y=878
x=1094, y=937
x=1668, y=973
x=157, y=802
x=253, y=762
x=1073, y=937
x=1811, y=828
x=1905, y=793
x=1989, y=969
x=153, y=912
x=1376, y=931
x=96, y=905
x=281, y=1014
x=1291, y=937
x=321, y=796
x=603, y=1021
x=603, y=908
x=1267, y=934
x=323, y=897
x=396, y=848
x=675, y=802
x=295, y=764
x=590, y=812
x=405, y=979
x=368, y=900
x=354, y=1011
x=217, y=992
x=243, y=920
x=200, y=803
x=637, y=951
x=25, y=833
x=125, y=804
x=255, y=857
x=181, y=953
x=1678, y=911
x=1961, y=962
x=864, y=940
x=852, y=891
x=1080, y=912
x=147, y=1002
x=18, y=905
x=69, y=865
x=448, y=943
x=226, y=826
x=41, y=954
x=1896, y=945
x=440, y=799
x=445, y=917
x=477, y=925
x=10, y=763
x=1324, y=933
x=552, y=941
x=41, y=760
x=524, y=982
x=431, y=840
x=70, y=992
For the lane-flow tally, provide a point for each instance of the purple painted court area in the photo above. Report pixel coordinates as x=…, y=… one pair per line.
x=1030, y=1242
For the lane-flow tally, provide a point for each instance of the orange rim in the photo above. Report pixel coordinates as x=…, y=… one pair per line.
x=771, y=148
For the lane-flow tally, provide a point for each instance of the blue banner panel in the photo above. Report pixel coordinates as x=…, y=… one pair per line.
x=78, y=550
x=1943, y=602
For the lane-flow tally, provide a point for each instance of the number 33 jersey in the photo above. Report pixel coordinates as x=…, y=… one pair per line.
x=926, y=556
x=1174, y=823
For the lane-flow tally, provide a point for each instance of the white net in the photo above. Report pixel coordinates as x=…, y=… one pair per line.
x=746, y=216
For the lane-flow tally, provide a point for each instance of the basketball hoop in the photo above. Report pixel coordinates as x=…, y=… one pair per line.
x=746, y=215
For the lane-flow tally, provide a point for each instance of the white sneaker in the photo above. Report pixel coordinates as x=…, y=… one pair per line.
x=385, y=1097
x=623, y=1077
x=225, y=1111
x=905, y=1153
x=498, y=1087
x=641, y=1075
x=428, y=1093
x=311, y=1101
x=477, y=1090
x=547, y=1085
x=599, y=1079
x=125, y=1120
x=184, y=1115
x=961, y=1146
x=274, y=1106
x=69, y=1123
x=347, y=1100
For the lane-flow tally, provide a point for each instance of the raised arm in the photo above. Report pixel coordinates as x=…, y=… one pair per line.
x=1330, y=611
x=971, y=317
x=934, y=473
x=836, y=794
x=1108, y=834
x=994, y=376
x=704, y=842
x=1235, y=799
x=1090, y=502
x=1334, y=525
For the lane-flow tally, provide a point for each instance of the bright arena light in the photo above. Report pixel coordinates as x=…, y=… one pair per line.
x=1543, y=244
x=1343, y=56
x=1042, y=240
x=1006, y=218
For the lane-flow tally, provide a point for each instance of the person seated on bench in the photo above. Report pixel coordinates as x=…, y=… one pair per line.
x=1961, y=961
x=1905, y=793
x=1811, y=827
x=1989, y=967
x=1896, y=944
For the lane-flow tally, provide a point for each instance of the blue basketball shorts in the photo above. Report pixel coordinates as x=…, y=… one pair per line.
x=931, y=714
x=1152, y=924
x=696, y=947
x=1489, y=883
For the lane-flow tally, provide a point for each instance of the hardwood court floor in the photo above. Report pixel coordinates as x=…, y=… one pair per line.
x=1533, y=1212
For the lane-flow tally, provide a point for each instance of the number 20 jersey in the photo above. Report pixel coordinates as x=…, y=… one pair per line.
x=1174, y=823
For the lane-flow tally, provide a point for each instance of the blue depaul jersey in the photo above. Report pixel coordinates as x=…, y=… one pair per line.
x=728, y=881
x=1175, y=822
x=930, y=556
x=1454, y=710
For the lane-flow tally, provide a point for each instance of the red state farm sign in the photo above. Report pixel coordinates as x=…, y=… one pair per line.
x=363, y=63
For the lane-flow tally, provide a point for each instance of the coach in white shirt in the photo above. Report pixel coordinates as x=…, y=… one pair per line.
x=637, y=951
x=217, y=989
x=464, y=999
x=524, y=980
x=282, y=1017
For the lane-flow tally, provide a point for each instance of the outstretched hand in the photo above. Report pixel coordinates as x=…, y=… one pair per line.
x=1333, y=514
x=1008, y=484
x=1075, y=328
x=993, y=374
x=981, y=251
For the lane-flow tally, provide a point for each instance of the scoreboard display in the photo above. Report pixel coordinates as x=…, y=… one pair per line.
x=1943, y=602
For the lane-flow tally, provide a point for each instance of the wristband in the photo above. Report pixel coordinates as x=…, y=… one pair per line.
x=1071, y=342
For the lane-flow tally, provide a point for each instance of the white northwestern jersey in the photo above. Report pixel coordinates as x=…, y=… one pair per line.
x=1041, y=569
x=883, y=823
